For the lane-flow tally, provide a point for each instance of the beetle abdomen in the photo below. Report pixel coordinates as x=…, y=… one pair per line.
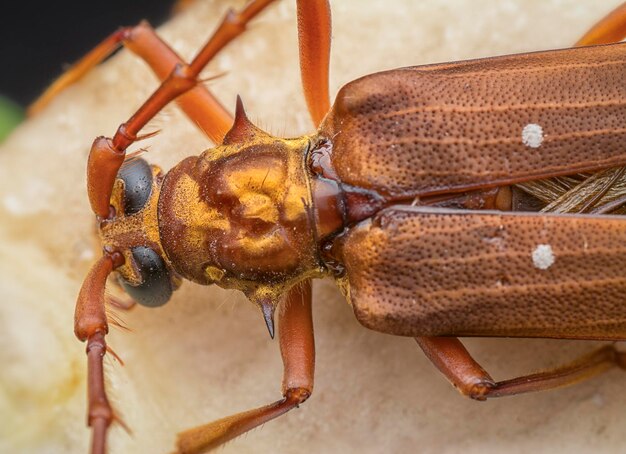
x=481, y=123
x=425, y=271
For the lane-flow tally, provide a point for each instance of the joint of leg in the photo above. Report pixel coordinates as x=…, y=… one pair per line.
x=233, y=20
x=129, y=34
x=100, y=410
x=126, y=33
x=122, y=138
x=297, y=395
x=116, y=257
x=90, y=327
x=104, y=146
x=96, y=342
x=479, y=391
x=182, y=78
x=103, y=221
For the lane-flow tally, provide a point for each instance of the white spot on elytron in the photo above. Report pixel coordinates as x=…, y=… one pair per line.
x=543, y=257
x=532, y=135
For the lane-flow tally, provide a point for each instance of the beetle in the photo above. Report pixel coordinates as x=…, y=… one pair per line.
x=241, y=118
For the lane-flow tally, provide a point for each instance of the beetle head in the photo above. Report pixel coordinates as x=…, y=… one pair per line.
x=133, y=231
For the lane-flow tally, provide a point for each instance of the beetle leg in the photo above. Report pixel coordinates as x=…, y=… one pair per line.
x=90, y=324
x=199, y=104
x=314, y=30
x=611, y=29
x=184, y=77
x=79, y=69
x=450, y=356
x=298, y=353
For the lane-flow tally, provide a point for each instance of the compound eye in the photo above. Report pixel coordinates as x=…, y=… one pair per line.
x=156, y=286
x=137, y=177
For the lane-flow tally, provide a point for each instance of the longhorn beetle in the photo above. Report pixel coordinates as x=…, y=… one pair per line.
x=402, y=195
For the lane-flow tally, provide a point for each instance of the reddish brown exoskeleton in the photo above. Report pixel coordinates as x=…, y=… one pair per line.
x=385, y=197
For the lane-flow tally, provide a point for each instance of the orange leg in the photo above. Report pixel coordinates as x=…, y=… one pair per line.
x=297, y=347
x=79, y=69
x=314, y=30
x=295, y=322
x=199, y=104
x=105, y=159
x=450, y=356
x=611, y=29
x=184, y=77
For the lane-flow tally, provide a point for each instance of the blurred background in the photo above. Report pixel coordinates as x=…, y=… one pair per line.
x=39, y=40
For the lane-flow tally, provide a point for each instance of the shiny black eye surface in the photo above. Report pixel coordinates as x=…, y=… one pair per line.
x=137, y=177
x=156, y=287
